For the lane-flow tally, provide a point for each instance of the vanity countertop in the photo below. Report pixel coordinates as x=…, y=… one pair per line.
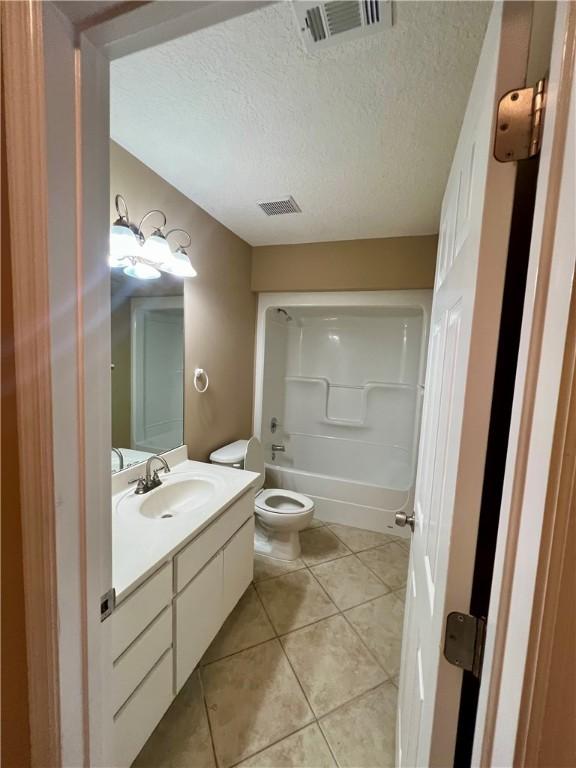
x=141, y=543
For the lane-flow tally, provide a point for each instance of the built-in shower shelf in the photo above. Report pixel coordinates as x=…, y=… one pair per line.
x=347, y=405
x=365, y=385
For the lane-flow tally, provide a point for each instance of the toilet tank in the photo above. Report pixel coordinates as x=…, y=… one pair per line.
x=231, y=455
x=242, y=454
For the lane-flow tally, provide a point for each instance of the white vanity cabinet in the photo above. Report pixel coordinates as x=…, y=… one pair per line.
x=199, y=616
x=204, y=604
x=161, y=630
x=238, y=569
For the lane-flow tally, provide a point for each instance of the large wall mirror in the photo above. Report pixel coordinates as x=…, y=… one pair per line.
x=147, y=367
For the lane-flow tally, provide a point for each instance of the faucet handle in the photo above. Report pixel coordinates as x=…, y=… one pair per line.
x=141, y=487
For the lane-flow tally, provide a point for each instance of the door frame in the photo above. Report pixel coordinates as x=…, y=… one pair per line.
x=77, y=215
x=33, y=501
x=96, y=45
x=537, y=386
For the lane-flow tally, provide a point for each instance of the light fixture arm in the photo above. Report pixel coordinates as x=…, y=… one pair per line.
x=179, y=229
x=146, y=215
x=123, y=216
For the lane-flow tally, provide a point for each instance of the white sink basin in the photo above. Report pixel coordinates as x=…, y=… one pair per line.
x=175, y=498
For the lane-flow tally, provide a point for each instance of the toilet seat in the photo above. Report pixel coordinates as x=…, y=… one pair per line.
x=281, y=502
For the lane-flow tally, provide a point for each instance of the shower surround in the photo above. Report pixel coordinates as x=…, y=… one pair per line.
x=339, y=384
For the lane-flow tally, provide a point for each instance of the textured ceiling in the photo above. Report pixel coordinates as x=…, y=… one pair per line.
x=361, y=134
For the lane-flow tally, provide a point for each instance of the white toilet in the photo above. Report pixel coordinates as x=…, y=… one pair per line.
x=280, y=515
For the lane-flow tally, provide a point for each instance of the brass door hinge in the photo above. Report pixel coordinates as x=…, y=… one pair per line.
x=464, y=641
x=519, y=123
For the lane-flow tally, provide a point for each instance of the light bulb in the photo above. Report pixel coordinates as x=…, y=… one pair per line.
x=180, y=265
x=123, y=244
x=156, y=249
x=142, y=271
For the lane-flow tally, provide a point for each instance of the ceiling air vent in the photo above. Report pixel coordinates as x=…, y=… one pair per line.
x=324, y=24
x=282, y=205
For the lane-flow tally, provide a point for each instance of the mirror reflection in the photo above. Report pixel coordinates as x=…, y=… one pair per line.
x=147, y=324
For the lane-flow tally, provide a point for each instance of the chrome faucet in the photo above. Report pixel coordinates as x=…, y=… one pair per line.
x=118, y=453
x=278, y=448
x=151, y=480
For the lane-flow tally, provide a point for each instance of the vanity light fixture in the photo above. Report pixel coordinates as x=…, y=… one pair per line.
x=146, y=257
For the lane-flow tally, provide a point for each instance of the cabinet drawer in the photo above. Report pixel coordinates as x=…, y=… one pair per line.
x=238, y=565
x=140, y=608
x=198, y=617
x=188, y=562
x=135, y=663
x=139, y=716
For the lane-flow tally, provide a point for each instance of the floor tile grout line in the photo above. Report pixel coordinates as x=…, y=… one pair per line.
x=279, y=575
x=349, y=623
x=392, y=589
x=333, y=754
x=206, y=713
x=341, y=610
x=266, y=613
x=278, y=636
x=316, y=719
x=354, y=698
x=241, y=650
x=282, y=634
x=274, y=743
x=368, y=649
x=379, y=578
x=292, y=668
x=375, y=546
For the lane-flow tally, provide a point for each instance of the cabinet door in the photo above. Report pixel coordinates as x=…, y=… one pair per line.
x=136, y=720
x=199, y=616
x=238, y=565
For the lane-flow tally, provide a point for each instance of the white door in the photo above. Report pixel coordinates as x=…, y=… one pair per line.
x=472, y=251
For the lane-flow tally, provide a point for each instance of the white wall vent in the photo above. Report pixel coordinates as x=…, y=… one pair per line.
x=325, y=24
x=282, y=205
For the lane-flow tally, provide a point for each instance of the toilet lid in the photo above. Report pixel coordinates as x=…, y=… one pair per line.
x=254, y=459
x=283, y=502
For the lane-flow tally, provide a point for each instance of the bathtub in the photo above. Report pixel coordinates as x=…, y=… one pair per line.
x=357, y=502
x=339, y=387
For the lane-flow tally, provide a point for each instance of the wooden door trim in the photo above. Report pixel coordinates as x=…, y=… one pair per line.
x=536, y=316
x=560, y=506
x=23, y=74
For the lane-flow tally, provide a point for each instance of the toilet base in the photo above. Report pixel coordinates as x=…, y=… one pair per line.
x=280, y=544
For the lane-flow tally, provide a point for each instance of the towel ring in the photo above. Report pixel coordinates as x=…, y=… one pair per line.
x=198, y=374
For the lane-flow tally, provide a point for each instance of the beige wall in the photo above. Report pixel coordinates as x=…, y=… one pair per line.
x=219, y=307
x=391, y=263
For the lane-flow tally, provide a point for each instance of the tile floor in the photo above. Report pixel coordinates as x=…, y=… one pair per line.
x=303, y=673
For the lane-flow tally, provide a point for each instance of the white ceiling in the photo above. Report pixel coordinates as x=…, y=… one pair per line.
x=361, y=134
